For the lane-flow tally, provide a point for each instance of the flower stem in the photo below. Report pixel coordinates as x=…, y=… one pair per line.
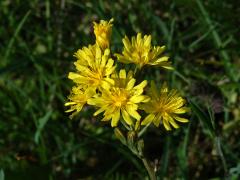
x=150, y=170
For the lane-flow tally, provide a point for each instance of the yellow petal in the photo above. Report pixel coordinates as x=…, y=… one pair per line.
x=176, y=103
x=73, y=75
x=69, y=110
x=148, y=119
x=104, y=61
x=105, y=85
x=110, y=70
x=115, y=118
x=130, y=109
x=162, y=59
x=110, y=63
x=110, y=110
x=159, y=49
x=99, y=111
x=96, y=101
x=146, y=99
x=148, y=107
x=107, y=52
x=90, y=92
x=130, y=84
x=157, y=120
x=139, y=37
x=98, y=55
x=141, y=85
x=166, y=124
x=122, y=74
x=138, y=92
x=126, y=43
x=130, y=74
x=180, y=119
x=172, y=122
x=106, y=118
x=181, y=110
x=69, y=103
x=109, y=80
x=80, y=67
x=138, y=99
x=168, y=67
x=126, y=117
x=147, y=41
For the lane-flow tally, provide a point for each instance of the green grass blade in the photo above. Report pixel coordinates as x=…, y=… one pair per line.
x=219, y=44
x=11, y=42
x=203, y=118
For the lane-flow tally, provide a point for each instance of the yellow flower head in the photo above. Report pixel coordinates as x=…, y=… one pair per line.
x=103, y=32
x=140, y=52
x=94, y=68
x=164, y=107
x=78, y=98
x=120, y=100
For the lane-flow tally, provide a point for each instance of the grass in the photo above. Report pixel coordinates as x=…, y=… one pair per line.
x=38, y=39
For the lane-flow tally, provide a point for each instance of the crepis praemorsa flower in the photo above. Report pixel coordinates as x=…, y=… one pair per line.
x=115, y=93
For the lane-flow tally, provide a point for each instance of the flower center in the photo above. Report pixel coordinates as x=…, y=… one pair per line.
x=120, y=97
x=161, y=106
x=140, y=55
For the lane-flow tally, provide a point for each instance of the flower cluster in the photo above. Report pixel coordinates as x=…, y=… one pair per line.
x=117, y=93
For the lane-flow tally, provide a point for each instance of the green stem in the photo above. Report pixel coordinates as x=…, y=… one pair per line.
x=150, y=170
x=143, y=130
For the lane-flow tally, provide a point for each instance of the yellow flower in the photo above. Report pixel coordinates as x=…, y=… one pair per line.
x=78, y=98
x=103, y=32
x=140, y=52
x=164, y=107
x=94, y=68
x=120, y=100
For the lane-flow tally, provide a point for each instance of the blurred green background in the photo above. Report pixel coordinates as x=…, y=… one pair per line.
x=37, y=42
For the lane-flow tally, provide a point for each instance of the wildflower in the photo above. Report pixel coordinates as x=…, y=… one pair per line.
x=103, y=32
x=94, y=68
x=78, y=98
x=120, y=100
x=140, y=52
x=164, y=107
